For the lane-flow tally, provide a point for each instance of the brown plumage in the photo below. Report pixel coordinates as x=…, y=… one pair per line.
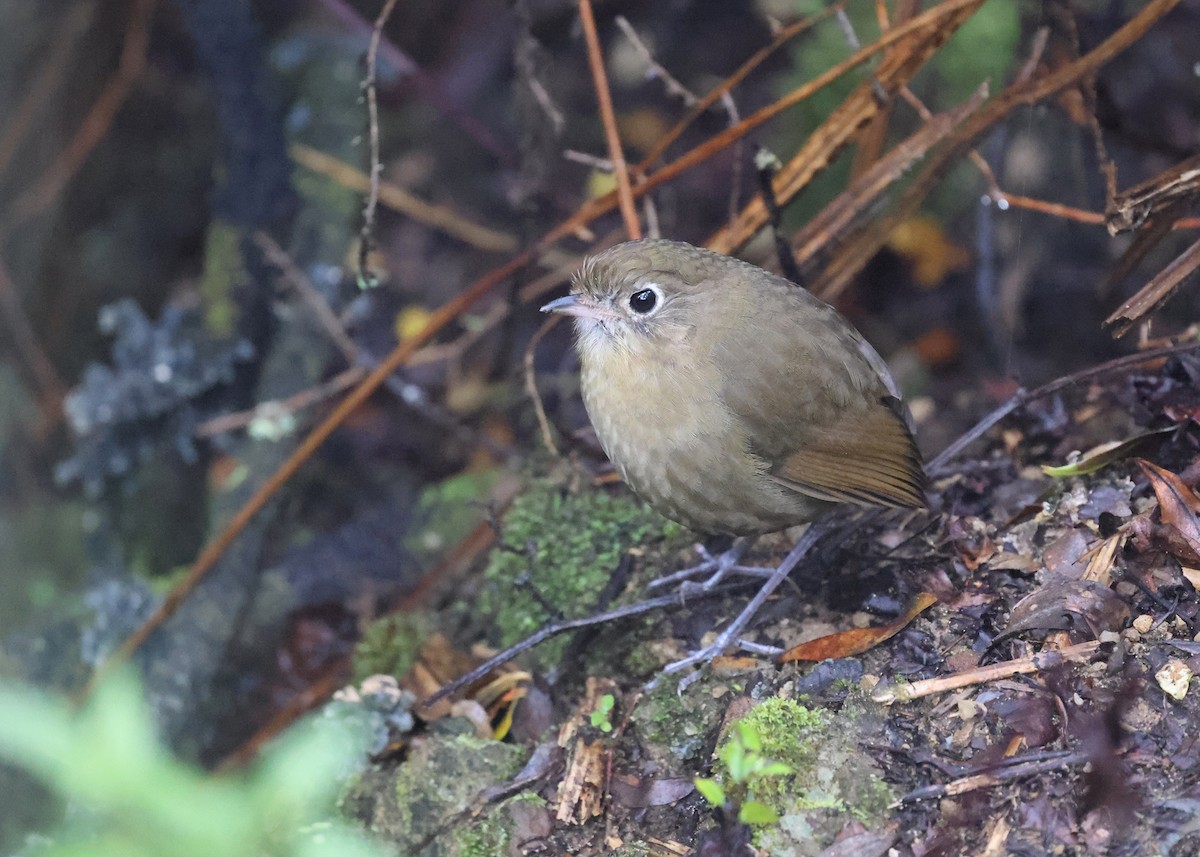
x=730, y=399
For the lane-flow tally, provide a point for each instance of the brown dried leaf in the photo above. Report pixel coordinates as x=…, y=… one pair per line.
x=855, y=641
x=867, y=843
x=637, y=792
x=1067, y=605
x=970, y=538
x=1178, y=506
x=438, y=661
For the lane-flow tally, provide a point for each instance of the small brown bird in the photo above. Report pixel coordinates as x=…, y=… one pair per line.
x=730, y=399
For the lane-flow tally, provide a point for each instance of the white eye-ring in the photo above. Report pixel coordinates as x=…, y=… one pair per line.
x=646, y=300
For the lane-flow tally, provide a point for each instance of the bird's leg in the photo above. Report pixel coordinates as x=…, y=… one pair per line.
x=720, y=565
x=730, y=634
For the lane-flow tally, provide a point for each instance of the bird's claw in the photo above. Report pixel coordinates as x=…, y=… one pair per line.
x=720, y=566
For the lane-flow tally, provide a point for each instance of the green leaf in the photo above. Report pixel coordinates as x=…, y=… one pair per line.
x=749, y=736
x=753, y=812
x=736, y=761
x=710, y=790
x=1104, y=455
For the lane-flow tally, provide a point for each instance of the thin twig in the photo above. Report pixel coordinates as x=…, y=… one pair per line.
x=600, y=80
x=777, y=41
x=308, y=293
x=737, y=159
x=440, y=217
x=531, y=384
x=51, y=388
x=1023, y=397
x=989, y=777
x=1043, y=660
x=426, y=86
x=52, y=69
x=410, y=394
x=297, y=402
x=366, y=235
x=554, y=630
x=95, y=125
x=654, y=68
x=604, y=165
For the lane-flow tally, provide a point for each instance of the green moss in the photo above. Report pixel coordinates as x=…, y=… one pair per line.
x=390, y=645
x=641, y=661
x=830, y=780
x=488, y=837
x=565, y=545
x=440, y=779
x=491, y=834
x=446, y=512
x=787, y=730
x=677, y=727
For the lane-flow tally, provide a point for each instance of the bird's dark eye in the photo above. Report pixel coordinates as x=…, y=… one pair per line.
x=644, y=301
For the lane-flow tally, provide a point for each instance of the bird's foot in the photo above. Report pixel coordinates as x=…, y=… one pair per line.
x=727, y=562
x=726, y=639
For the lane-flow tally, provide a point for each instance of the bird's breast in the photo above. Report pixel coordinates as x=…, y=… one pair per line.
x=680, y=448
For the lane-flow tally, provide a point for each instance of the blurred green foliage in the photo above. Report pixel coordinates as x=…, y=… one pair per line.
x=983, y=49
x=126, y=796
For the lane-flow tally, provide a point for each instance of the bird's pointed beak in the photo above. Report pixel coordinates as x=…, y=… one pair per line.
x=576, y=305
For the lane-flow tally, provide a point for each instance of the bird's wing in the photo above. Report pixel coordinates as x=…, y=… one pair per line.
x=825, y=420
x=866, y=457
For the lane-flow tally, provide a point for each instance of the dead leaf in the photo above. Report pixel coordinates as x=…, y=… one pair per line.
x=637, y=792
x=865, y=844
x=1063, y=557
x=1068, y=605
x=1178, y=506
x=972, y=541
x=438, y=662
x=731, y=665
x=855, y=641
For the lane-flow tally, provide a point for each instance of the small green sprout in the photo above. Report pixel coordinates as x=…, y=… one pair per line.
x=746, y=765
x=601, y=718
